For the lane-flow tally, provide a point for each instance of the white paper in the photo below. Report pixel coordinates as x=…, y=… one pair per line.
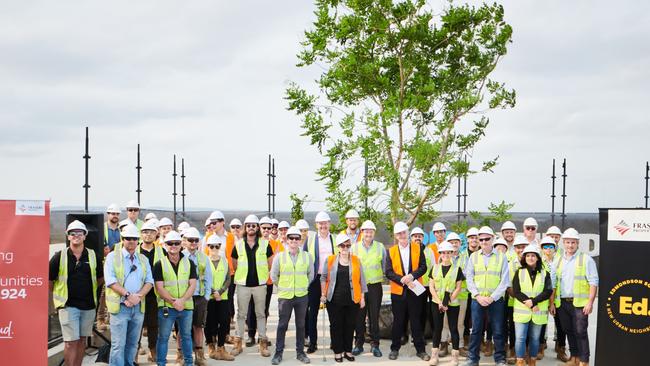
x=418, y=289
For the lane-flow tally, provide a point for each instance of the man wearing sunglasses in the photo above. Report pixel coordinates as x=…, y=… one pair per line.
x=530, y=231
x=215, y=224
x=488, y=277
x=175, y=280
x=251, y=261
x=74, y=276
x=292, y=270
x=274, y=229
x=132, y=213
x=128, y=280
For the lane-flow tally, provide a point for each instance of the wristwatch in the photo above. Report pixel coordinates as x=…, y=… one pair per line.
x=126, y=296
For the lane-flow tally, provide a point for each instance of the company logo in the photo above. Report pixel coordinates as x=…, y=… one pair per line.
x=622, y=227
x=30, y=208
x=628, y=306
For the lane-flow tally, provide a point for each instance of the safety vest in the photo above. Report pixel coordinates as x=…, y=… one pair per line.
x=113, y=299
x=461, y=262
x=521, y=312
x=513, y=267
x=261, y=262
x=431, y=255
x=396, y=259
x=487, y=279
x=157, y=252
x=446, y=283
x=230, y=245
x=311, y=246
x=580, y=283
x=294, y=278
x=60, y=289
x=355, y=275
x=359, y=235
x=176, y=284
x=371, y=260
x=219, y=275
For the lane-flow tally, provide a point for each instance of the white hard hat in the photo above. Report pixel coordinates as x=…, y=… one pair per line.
x=150, y=225
x=508, y=225
x=214, y=240
x=571, y=233
x=150, y=216
x=191, y=232
x=530, y=222
x=207, y=222
x=439, y=226
x=182, y=226
x=216, y=215
x=453, y=236
x=399, y=227
x=486, y=230
x=165, y=222
x=124, y=223
x=445, y=246
x=113, y=208
x=76, y=225
x=554, y=230
x=342, y=238
x=172, y=236
x=547, y=240
x=368, y=225
x=322, y=216
x=293, y=231
x=130, y=231
x=500, y=241
x=302, y=224
x=417, y=230
x=235, y=221
x=472, y=232
x=530, y=248
x=265, y=220
x=352, y=214
x=132, y=204
x=520, y=240
x=283, y=225
x=251, y=219
x=275, y=222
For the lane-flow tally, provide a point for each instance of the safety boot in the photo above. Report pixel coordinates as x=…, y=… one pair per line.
x=237, y=347
x=221, y=354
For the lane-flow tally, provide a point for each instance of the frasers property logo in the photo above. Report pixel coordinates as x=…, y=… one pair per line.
x=628, y=306
x=30, y=208
x=622, y=227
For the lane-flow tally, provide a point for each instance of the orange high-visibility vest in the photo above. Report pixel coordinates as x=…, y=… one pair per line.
x=355, y=264
x=396, y=258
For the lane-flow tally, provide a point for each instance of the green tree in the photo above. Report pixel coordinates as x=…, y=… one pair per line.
x=297, y=202
x=405, y=89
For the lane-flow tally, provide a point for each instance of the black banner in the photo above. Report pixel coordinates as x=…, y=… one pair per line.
x=623, y=331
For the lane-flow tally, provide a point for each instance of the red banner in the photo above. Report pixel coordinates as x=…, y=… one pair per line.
x=24, y=248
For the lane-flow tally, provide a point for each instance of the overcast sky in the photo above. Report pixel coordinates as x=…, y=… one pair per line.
x=205, y=80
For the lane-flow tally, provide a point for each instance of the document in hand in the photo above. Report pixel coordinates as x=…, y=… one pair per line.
x=418, y=289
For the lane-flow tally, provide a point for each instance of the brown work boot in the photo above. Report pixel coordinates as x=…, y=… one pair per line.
x=444, y=349
x=540, y=353
x=264, y=348
x=511, y=358
x=561, y=354
x=199, y=356
x=483, y=346
x=454, y=357
x=237, y=347
x=152, y=355
x=230, y=339
x=521, y=362
x=489, y=349
x=532, y=362
x=465, y=343
x=179, y=357
x=573, y=361
x=223, y=355
x=212, y=351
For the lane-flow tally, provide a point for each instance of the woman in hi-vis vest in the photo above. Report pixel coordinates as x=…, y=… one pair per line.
x=343, y=290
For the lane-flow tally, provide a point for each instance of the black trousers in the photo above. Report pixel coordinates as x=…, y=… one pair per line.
x=313, y=305
x=371, y=310
x=407, y=306
x=510, y=326
x=217, y=323
x=251, y=319
x=438, y=323
x=575, y=323
x=560, y=335
x=342, y=321
x=150, y=321
x=468, y=318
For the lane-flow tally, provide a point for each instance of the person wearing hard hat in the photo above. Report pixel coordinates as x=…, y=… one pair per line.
x=111, y=237
x=175, y=278
x=319, y=246
x=576, y=285
x=202, y=293
x=154, y=253
x=303, y=226
x=455, y=241
x=405, y=265
x=283, y=227
x=514, y=264
x=556, y=234
x=549, y=261
x=508, y=232
x=352, y=229
x=431, y=252
x=532, y=289
x=132, y=213
x=343, y=287
x=251, y=261
x=236, y=228
x=218, y=316
x=292, y=270
x=74, y=276
x=150, y=216
x=215, y=223
x=274, y=229
x=530, y=230
x=372, y=255
x=165, y=225
x=487, y=280
x=128, y=280
x=182, y=227
x=472, y=246
x=417, y=236
x=445, y=281
x=501, y=245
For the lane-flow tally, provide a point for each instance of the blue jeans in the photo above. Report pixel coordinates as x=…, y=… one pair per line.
x=125, y=333
x=528, y=330
x=165, y=325
x=496, y=312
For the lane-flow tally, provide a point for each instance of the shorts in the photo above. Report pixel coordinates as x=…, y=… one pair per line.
x=200, y=311
x=76, y=323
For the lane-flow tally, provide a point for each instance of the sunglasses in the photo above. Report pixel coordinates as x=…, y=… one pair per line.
x=114, y=214
x=548, y=246
x=275, y=226
x=76, y=233
x=218, y=220
x=265, y=227
x=484, y=239
x=133, y=209
x=345, y=245
x=173, y=243
x=130, y=239
x=531, y=228
x=236, y=227
x=193, y=240
x=293, y=237
x=211, y=246
x=251, y=226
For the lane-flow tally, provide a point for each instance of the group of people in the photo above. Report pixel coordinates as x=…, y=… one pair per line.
x=154, y=280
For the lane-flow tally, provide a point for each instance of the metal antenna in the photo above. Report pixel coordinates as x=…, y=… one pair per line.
x=138, y=168
x=273, y=192
x=174, y=193
x=86, y=158
x=647, y=171
x=553, y=194
x=563, y=193
x=183, y=184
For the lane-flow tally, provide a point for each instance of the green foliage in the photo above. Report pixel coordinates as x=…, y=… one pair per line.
x=498, y=213
x=404, y=89
x=297, y=202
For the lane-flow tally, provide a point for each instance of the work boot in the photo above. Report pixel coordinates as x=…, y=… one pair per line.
x=465, y=343
x=573, y=361
x=303, y=358
x=312, y=348
x=423, y=356
x=489, y=349
x=561, y=353
x=393, y=355
x=376, y=351
x=434, y=356
x=179, y=357
x=356, y=351
x=454, y=357
x=511, y=357
x=540, y=353
x=221, y=354
x=152, y=355
x=444, y=349
x=212, y=351
x=464, y=352
x=277, y=358
x=230, y=339
x=250, y=342
x=483, y=346
x=532, y=361
x=237, y=347
x=264, y=348
x=521, y=362
x=199, y=356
